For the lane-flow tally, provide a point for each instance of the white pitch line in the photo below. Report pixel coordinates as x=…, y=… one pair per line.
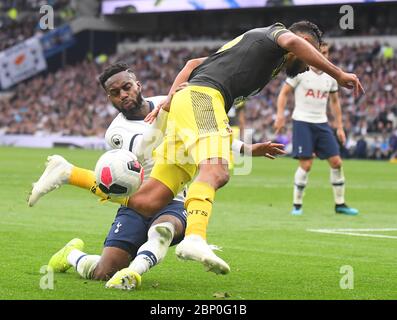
x=359, y=230
x=346, y=232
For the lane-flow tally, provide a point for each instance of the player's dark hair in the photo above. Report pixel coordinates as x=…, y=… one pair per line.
x=308, y=28
x=112, y=70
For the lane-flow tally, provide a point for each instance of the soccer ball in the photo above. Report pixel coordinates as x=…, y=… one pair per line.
x=118, y=173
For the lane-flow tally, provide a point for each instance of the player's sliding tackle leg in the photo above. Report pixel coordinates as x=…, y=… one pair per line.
x=59, y=172
x=149, y=254
x=95, y=267
x=198, y=204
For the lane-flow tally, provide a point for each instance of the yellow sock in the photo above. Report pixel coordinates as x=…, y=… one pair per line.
x=85, y=179
x=199, y=206
x=82, y=178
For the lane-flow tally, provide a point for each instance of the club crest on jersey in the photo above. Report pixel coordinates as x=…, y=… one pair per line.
x=116, y=141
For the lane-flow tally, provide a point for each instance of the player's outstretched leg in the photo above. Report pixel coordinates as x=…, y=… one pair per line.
x=149, y=254
x=56, y=174
x=59, y=172
x=59, y=261
x=194, y=246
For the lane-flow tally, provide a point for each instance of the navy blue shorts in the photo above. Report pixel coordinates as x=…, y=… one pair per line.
x=309, y=138
x=129, y=229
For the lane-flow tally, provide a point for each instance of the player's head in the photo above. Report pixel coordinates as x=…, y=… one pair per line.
x=122, y=88
x=311, y=33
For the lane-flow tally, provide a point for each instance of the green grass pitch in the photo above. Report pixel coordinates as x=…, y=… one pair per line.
x=271, y=253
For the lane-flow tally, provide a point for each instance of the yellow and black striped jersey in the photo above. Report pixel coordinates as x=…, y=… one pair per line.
x=243, y=66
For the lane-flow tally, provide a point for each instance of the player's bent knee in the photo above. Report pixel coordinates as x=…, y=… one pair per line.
x=222, y=178
x=176, y=222
x=336, y=163
x=217, y=178
x=215, y=175
x=306, y=164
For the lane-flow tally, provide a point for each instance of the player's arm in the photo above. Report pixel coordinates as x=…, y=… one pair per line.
x=180, y=80
x=307, y=53
x=282, y=100
x=151, y=138
x=263, y=149
x=337, y=113
x=184, y=74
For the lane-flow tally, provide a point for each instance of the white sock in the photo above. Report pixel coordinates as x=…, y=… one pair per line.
x=83, y=263
x=300, y=181
x=155, y=248
x=75, y=255
x=86, y=265
x=337, y=179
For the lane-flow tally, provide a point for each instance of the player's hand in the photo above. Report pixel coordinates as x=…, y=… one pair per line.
x=153, y=114
x=165, y=104
x=279, y=124
x=266, y=149
x=340, y=133
x=350, y=81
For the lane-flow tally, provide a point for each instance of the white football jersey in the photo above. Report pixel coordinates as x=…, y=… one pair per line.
x=311, y=91
x=126, y=134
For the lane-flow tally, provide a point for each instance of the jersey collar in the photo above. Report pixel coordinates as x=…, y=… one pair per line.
x=151, y=105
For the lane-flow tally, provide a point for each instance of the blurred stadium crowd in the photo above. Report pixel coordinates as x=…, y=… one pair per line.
x=71, y=102
x=19, y=18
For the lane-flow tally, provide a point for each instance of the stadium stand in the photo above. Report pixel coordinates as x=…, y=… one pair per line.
x=19, y=18
x=49, y=104
x=67, y=100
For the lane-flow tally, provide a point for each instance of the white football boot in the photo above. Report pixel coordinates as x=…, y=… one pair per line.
x=56, y=174
x=195, y=248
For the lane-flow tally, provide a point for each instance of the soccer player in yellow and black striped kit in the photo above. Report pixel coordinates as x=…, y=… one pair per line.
x=197, y=145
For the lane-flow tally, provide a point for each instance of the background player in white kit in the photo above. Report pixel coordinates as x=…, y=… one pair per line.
x=311, y=132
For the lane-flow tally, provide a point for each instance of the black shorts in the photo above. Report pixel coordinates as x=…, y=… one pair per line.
x=309, y=138
x=129, y=229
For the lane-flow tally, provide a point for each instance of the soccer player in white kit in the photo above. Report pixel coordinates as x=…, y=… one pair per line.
x=135, y=243
x=311, y=132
